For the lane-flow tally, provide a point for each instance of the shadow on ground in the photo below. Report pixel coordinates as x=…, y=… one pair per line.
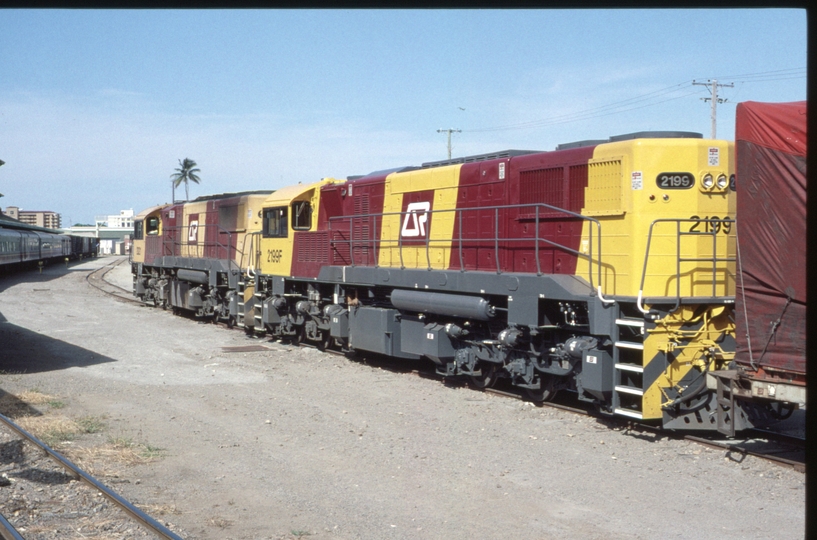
x=24, y=351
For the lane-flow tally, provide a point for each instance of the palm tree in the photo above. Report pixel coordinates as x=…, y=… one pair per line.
x=185, y=173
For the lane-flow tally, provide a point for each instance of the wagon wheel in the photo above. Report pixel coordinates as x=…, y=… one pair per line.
x=545, y=392
x=490, y=371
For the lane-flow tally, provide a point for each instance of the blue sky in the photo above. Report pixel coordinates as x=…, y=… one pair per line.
x=98, y=106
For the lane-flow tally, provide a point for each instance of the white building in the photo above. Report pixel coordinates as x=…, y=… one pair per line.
x=123, y=221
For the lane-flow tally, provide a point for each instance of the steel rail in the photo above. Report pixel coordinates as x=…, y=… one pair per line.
x=134, y=512
x=93, y=276
x=7, y=530
x=729, y=446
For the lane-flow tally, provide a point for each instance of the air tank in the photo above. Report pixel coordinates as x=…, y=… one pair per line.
x=453, y=305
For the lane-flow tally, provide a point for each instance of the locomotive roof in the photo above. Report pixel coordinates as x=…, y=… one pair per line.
x=479, y=157
x=384, y=172
x=632, y=136
x=228, y=195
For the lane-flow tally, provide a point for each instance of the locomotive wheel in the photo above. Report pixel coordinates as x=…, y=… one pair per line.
x=298, y=337
x=488, y=378
x=546, y=391
x=231, y=321
x=326, y=340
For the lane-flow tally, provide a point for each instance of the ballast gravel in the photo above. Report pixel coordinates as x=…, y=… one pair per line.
x=253, y=439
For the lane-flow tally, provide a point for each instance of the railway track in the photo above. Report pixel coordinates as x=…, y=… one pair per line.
x=778, y=448
x=96, y=279
x=7, y=529
x=783, y=450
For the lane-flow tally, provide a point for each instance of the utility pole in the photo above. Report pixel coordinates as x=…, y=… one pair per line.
x=714, y=99
x=449, y=131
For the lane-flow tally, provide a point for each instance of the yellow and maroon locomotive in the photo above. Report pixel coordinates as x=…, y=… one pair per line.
x=607, y=268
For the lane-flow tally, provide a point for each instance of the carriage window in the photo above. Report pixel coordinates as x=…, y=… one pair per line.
x=138, y=230
x=301, y=215
x=152, y=226
x=275, y=222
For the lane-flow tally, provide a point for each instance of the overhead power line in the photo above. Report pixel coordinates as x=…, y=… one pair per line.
x=449, y=131
x=715, y=100
x=649, y=99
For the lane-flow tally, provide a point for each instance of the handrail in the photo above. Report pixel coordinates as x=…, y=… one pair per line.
x=712, y=231
x=379, y=243
x=178, y=242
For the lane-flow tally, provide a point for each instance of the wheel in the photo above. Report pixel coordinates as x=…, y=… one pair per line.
x=490, y=371
x=231, y=321
x=326, y=340
x=298, y=337
x=544, y=393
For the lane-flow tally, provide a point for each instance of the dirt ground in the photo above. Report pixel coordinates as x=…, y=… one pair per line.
x=291, y=443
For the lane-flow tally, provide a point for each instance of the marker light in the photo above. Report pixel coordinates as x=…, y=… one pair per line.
x=707, y=182
x=722, y=182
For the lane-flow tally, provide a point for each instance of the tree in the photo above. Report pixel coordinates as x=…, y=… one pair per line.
x=185, y=173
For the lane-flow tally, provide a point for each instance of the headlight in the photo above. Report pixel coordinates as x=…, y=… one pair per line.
x=722, y=182
x=707, y=181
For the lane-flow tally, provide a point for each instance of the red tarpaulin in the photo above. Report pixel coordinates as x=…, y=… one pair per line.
x=771, y=228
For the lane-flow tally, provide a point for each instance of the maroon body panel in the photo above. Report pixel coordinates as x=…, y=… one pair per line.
x=771, y=219
x=348, y=229
x=554, y=178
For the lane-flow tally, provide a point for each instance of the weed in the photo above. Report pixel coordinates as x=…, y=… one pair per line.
x=121, y=442
x=91, y=424
x=150, y=452
x=299, y=534
x=221, y=523
x=56, y=404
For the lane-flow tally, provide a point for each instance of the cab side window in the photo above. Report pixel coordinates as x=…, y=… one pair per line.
x=275, y=222
x=152, y=226
x=301, y=215
x=138, y=230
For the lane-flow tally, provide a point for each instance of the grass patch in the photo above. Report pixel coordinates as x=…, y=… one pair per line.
x=21, y=405
x=91, y=424
x=52, y=430
x=300, y=534
x=143, y=452
x=56, y=404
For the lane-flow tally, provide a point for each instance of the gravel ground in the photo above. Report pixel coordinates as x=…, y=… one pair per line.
x=292, y=443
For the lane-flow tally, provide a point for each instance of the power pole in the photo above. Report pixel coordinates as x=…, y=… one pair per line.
x=449, y=131
x=715, y=100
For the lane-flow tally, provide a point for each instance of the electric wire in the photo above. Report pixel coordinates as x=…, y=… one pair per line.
x=645, y=100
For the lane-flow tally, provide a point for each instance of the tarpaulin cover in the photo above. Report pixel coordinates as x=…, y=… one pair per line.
x=771, y=227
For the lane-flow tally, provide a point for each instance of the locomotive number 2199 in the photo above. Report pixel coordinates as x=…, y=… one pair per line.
x=675, y=180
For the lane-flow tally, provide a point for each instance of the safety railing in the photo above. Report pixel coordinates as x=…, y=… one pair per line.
x=711, y=227
x=210, y=241
x=371, y=243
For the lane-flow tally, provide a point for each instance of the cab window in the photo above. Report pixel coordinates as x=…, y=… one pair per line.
x=275, y=222
x=301, y=215
x=138, y=230
x=152, y=226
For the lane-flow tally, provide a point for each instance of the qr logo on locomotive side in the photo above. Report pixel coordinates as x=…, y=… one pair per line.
x=275, y=255
x=414, y=224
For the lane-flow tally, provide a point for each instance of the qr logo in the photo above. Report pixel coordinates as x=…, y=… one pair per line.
x=414, y=224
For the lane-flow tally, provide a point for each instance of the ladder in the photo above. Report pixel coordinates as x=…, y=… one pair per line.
x=628, y=363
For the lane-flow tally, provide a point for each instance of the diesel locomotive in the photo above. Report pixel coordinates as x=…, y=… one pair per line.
x=605, y=267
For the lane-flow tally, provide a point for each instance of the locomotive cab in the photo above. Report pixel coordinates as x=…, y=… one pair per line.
x=294, y=242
